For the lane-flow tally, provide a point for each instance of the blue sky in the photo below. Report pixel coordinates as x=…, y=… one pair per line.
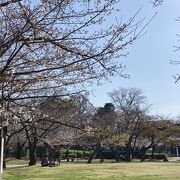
x=148, y=63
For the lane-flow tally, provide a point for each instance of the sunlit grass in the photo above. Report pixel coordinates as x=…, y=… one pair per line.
x=105, y=171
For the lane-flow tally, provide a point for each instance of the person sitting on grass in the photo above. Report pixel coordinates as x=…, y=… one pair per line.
x=45, y=161
x=56, y=160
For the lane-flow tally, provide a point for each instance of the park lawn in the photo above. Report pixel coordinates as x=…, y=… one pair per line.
x=105, y=171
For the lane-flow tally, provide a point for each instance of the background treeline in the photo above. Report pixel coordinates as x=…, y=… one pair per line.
x=122, y=129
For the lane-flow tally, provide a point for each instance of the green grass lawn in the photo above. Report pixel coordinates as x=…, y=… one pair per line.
x=105, y=171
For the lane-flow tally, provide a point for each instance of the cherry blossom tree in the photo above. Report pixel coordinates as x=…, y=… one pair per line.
x=59, y=45
x=55, y=47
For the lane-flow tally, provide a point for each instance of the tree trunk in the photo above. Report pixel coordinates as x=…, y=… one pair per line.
x=67, y=155
x=100, y=155
x=153, y=151
x=128, y=157
x=32, y=152
x=19, y=149
x=128, y=154
x=116, y=153
x=99, y=152
x=4, y=164
x=101, y=159
x=51, y=152
x=142, y=154
x=91, y=157
x=32, y=156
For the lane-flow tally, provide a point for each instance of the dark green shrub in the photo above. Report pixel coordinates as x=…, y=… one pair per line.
x=156, y=157
x=74, y=153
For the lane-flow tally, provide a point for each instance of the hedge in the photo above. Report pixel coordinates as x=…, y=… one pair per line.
x=65, y=153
